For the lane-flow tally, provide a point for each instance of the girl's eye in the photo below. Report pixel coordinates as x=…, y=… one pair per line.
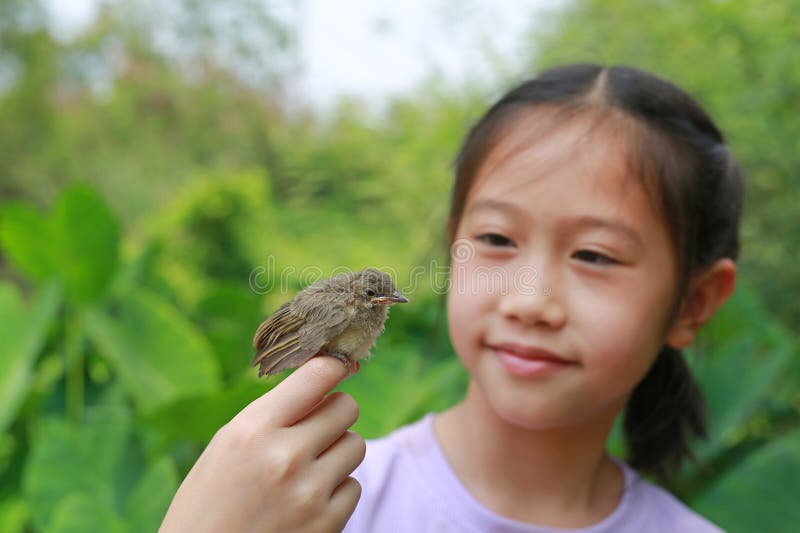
x=589, y=256
x=495, y=239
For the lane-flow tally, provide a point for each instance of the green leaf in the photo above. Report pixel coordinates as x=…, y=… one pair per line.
x=78, y=243
x=398, y=386
x=229, y=313
x=759, y=493
x=13, y=515
x=86, y=513
x=22, y=334
x=738, y=366
x=158, y=354
x=86, y=242
x=147, y=505
x=67, y=460
x=25, y=238
x=198, y=417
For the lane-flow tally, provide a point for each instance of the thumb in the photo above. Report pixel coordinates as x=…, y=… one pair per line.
x=294, y=397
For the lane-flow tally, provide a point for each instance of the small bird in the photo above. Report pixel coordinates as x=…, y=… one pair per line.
x=342, y=316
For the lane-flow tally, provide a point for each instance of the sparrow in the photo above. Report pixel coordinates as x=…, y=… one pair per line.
x=342, y=317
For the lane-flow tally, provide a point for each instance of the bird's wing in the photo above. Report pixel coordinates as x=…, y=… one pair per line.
x=295, y=333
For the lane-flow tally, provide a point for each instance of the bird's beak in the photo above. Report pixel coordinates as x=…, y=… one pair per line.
x=396, y=297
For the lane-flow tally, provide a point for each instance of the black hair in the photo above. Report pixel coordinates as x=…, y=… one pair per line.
x=692, y=179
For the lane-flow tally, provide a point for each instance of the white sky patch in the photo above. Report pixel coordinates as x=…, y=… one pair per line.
x=371, y=49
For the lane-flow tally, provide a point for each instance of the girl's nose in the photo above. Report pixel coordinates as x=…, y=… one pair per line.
x=536, y=305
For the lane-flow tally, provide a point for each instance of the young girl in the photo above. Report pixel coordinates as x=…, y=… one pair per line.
x=594, y=225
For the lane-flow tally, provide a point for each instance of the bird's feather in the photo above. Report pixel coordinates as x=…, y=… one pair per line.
x=296, y=332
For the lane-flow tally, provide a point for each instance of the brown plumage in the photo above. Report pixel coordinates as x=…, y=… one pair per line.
x=342, y=316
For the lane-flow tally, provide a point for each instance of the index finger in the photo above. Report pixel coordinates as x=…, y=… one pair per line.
x=294, y=397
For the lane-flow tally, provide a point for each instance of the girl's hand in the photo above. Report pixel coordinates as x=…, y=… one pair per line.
x=281, y=464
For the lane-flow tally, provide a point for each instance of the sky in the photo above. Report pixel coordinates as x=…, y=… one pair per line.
x=375, y=48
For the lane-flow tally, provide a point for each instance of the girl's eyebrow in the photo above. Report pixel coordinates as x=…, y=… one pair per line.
x=490, y=204
x=579, y=222
x=590, y=221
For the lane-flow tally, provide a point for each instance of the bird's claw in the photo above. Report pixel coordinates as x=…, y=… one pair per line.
x=351, y=366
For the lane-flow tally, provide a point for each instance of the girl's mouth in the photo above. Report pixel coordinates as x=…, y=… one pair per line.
x=528, y=361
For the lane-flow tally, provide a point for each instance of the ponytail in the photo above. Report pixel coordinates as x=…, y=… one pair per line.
x=664, y=412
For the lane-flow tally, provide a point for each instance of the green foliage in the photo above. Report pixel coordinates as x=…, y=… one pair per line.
x=196, y=418
x=22, y=232
x=66, y=462
x=73, y=478
x=135, y=343
x=227, y=313
x=726, y=353
x=13, y=515
x=400, y=378
x=77, y=244
x=753, y=495
x=84, y=239
x=22, y=334
x=739, y=370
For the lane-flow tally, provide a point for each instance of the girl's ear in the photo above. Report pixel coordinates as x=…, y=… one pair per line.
x=709, y=289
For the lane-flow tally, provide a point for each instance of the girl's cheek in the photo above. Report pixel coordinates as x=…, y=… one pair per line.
x=478, y=281
x=622, y=344
x=460, y=326
x=464, y=311
x=458, y=302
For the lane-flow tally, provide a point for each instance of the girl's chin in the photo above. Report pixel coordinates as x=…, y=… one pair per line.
x=527, y=420
x=535, y=413
x=518, y=408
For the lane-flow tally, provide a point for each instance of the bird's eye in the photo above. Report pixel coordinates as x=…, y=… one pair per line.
x=370, y=293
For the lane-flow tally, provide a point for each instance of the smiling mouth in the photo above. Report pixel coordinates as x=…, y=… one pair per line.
x=528, y=361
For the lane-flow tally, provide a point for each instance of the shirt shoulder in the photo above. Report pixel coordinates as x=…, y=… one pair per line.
x=661, y=511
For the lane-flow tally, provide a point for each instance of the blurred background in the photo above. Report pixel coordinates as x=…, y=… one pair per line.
x=171, y=172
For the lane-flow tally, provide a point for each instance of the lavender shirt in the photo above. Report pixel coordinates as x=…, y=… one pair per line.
x=408, y=486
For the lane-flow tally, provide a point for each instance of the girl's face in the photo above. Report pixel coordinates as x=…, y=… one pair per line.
x=563, y=278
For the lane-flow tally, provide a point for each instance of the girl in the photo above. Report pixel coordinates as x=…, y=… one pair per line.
x=594, y=224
